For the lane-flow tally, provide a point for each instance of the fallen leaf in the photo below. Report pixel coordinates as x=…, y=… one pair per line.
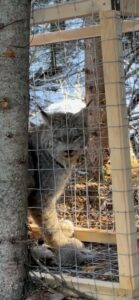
x=9, y=53
x=89, y=269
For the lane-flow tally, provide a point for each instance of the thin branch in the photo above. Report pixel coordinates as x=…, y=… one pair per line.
x=132, y=73
x=132, y=60
x=133, y=103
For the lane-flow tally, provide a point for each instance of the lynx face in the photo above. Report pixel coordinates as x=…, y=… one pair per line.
x=64, y=137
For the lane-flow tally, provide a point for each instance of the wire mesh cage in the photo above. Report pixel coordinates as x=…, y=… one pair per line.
x=83, y=144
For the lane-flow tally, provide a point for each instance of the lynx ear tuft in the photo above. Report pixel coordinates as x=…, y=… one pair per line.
x=89, y=102
x=45, y=116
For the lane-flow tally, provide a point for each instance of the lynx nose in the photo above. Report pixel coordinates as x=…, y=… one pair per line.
x=69, y=153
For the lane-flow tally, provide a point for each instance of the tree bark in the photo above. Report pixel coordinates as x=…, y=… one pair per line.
x=14, y=65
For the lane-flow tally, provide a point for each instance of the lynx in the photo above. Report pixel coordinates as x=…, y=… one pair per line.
x=54, y=149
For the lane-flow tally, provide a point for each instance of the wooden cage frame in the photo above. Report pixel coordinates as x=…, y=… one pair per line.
x=110, y=30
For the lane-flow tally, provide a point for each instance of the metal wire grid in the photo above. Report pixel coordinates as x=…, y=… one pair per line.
x=85, y=202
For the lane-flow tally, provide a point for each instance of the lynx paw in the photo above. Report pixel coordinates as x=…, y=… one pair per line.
x=74, y=254
x=71, y=254
x=75, y=243
x=67, y=227
x=42, y=252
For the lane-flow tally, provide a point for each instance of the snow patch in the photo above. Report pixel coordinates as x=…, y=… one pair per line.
x=71, y=106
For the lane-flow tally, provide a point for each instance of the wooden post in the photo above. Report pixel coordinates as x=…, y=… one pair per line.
x=111, y=35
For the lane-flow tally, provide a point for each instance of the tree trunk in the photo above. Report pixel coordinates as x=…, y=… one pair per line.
x=97, y=119
x=14, y=64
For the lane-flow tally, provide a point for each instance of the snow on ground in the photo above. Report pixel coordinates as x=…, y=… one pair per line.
x=64, y=91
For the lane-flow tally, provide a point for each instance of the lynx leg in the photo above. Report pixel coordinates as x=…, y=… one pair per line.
x=52, y=229
x=46, y=222
x=48, y=226
x=68, y=251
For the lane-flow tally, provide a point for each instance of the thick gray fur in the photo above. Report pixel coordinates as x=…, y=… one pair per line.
x=54, y=148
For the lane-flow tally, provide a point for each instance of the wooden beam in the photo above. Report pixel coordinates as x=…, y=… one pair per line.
x=76, y=9
x=100, y=290
x=126, y=236
x=80, y=9
x=129, y=8
x=95, y=235
x=77, y=34
x=84, y=234
x=130, y=26
x=65, y=35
